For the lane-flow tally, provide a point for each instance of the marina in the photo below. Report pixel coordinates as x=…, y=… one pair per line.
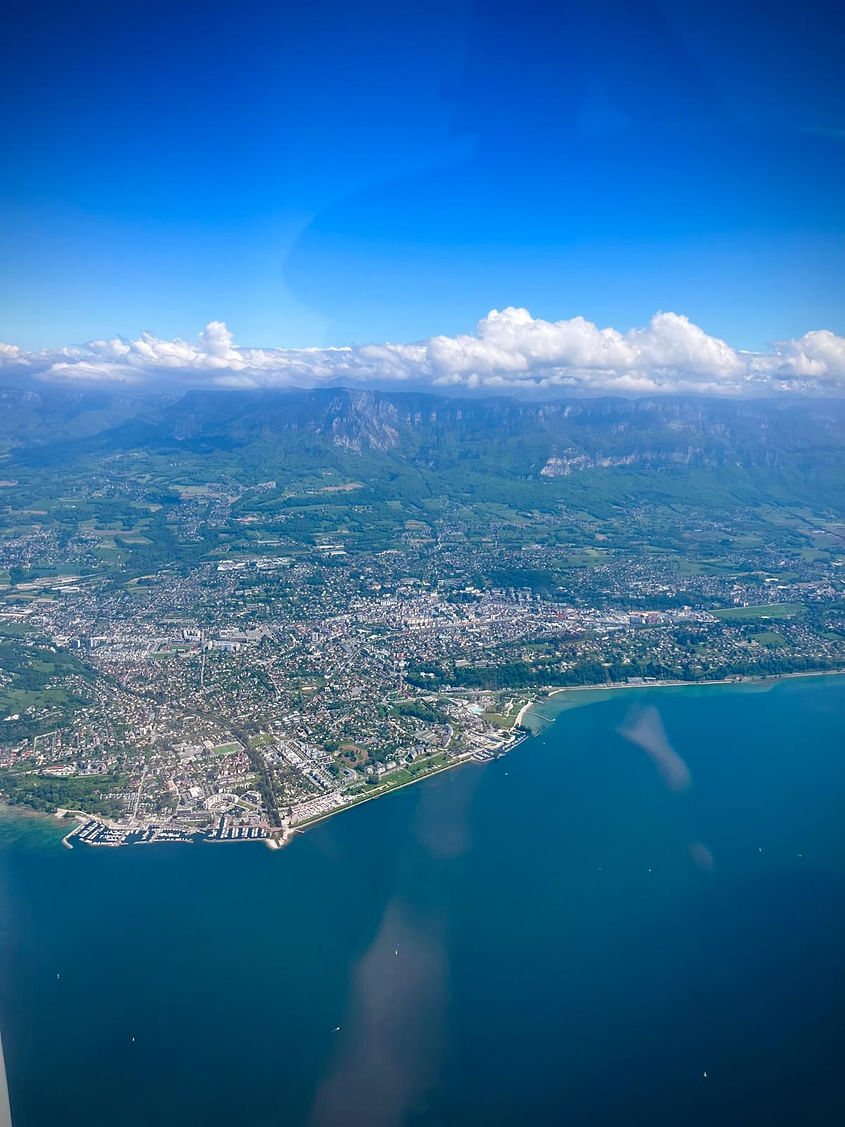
x=96, y=833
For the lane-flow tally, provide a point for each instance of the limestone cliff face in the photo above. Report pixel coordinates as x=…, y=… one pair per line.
x=401, y=431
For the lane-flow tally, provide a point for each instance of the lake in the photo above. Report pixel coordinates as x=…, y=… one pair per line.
x=636, y=917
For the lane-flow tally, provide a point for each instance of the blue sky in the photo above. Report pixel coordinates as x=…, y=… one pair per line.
x=332, y=173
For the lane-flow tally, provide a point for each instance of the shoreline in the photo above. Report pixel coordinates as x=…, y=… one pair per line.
x=529, y=704
x=280, y=839
x=617, y=686
x=514, y=740
x=738, y=679
x=518, y=733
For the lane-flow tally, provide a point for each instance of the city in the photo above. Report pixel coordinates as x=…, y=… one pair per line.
x=246, y=695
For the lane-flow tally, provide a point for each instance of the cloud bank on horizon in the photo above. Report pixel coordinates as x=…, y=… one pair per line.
x=511, y=351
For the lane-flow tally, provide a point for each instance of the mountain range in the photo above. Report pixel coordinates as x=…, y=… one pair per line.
x=339, y=427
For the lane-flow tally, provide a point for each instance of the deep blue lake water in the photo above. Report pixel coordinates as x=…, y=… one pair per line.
x=558, y=937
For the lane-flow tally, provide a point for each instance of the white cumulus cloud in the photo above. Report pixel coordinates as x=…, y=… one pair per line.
x=512, y=342
x=510, y=351
x=818, y=355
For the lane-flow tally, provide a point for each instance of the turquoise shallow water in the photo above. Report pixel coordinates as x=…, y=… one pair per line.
x=557, y=937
